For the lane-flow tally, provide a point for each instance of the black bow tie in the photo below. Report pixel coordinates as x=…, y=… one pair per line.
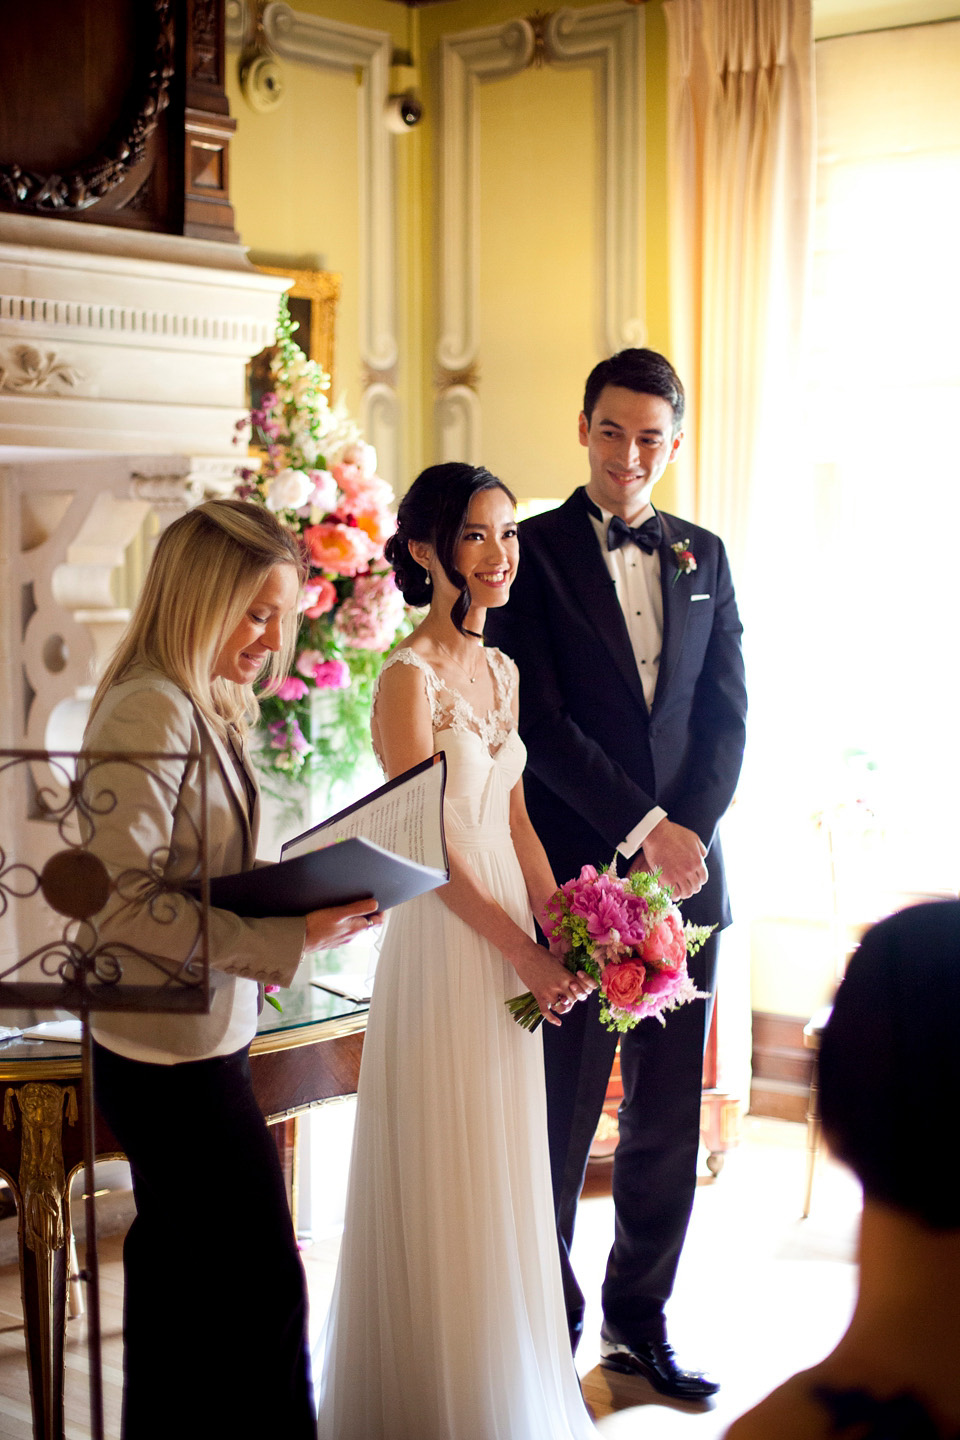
x=647, y=536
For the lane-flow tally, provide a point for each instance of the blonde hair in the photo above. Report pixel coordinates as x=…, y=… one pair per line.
x=205, y=573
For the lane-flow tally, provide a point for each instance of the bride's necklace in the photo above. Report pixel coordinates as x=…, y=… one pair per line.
x=472, y=678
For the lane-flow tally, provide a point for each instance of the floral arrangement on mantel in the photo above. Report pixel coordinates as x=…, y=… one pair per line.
x=320, y=479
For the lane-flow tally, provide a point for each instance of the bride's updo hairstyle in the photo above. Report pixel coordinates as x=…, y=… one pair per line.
x=434, y=512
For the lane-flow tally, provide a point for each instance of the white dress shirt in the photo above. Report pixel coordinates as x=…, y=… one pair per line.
x=636, y=578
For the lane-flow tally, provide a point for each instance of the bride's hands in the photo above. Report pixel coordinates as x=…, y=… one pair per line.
x=550, y=983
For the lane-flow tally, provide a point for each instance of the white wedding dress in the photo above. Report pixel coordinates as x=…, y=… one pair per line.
x=447, y=1320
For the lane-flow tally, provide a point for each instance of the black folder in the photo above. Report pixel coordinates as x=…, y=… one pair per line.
x=338, y=871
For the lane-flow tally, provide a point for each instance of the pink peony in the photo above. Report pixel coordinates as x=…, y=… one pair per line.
x=624, y=984
x=292, y=688
x=332, y=675
x=344, y=549
x=319, y=597
x=378, y=523
x=665, y=945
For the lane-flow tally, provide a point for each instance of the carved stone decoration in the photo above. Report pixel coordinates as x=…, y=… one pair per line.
x=122, y=151
x=25, y=368
x=42, y=1181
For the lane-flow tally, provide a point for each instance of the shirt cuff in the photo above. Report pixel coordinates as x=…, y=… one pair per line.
x=639, y=833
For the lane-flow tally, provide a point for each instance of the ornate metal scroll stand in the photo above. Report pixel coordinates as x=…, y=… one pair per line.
x=61, y=797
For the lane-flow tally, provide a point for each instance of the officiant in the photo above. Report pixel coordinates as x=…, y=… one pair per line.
x=215, y=1308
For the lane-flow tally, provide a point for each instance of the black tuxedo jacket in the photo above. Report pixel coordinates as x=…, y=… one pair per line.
x=598, y=758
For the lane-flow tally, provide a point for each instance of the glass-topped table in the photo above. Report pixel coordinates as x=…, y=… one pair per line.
x=306, y=1056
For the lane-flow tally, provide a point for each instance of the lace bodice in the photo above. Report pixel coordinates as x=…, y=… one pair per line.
x=449, y=710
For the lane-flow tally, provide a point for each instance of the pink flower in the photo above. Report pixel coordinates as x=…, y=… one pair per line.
x=665, y=945
x=319, y=597
x=378, y=523
x=623, y=984
x=332, y=675
x=291, y=689
x=344, y=549
x=287, y=735
x=368, y=619
x=307, y=661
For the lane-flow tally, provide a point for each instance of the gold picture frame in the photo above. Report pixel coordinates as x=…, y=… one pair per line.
x=313, y=298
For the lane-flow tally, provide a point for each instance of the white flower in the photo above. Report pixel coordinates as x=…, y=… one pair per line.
x=288, y=490
x=362, y=455
x=309, y=450
x=324, y=497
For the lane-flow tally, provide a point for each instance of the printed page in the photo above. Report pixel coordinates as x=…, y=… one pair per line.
x=404, y=817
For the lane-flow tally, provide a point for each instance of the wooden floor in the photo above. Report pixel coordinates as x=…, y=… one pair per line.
x=760, y=1294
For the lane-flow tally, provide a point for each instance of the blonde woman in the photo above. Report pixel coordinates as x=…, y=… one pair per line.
x=215, y=1312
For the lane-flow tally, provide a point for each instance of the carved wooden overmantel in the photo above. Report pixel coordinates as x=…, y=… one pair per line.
x=114, y=113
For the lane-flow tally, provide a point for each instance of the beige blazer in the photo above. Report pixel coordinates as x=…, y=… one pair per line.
x=153, y=827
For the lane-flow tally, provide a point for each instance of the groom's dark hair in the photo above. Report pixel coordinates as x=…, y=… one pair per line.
x=645, y=371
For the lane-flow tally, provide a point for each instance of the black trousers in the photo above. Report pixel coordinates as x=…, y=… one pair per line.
x=215, y=1306
x=655, y=1162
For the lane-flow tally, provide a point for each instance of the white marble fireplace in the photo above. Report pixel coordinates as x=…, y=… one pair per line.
x=122, y=377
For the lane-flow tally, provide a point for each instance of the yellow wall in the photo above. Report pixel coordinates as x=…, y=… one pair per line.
x=295, y=191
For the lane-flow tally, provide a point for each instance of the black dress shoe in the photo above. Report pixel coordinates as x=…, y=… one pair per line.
x=655, y=1361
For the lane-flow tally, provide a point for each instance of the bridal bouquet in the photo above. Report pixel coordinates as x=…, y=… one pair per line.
x=627, y=934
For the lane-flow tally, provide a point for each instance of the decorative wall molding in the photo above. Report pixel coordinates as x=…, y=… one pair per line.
x=366, y=53
x=331, y=44
x=466, y=60
x=609, y=39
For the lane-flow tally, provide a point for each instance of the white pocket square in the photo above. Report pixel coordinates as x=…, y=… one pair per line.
x=698, y=597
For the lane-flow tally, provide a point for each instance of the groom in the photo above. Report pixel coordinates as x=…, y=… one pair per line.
x=624, y=626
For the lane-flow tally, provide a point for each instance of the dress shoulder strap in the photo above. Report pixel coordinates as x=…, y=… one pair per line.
x=403, y=655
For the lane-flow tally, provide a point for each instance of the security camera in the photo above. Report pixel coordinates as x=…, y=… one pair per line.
x=403, y=112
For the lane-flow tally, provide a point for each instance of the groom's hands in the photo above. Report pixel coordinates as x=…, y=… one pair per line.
x=679, y=853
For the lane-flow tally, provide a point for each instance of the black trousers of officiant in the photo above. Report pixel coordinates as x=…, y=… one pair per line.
x=655, y=1162
x=215, y=1306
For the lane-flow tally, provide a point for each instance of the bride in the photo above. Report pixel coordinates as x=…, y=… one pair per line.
x=447, y=1320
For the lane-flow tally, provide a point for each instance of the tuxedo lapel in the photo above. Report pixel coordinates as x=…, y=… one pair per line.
x=588, y=580
x=676, y=607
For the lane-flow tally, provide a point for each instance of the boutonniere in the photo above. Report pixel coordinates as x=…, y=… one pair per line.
x=685, y=559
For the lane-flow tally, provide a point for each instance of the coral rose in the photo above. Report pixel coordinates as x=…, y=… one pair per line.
x=319, y=597
x=623, y=984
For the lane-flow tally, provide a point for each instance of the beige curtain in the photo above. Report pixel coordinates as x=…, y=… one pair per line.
x=740, y=196
x=741, y=167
